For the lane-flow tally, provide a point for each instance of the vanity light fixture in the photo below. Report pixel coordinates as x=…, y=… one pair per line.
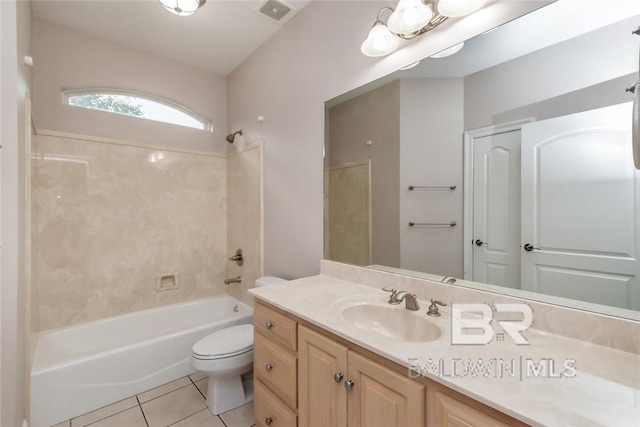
x=182, y=7
x=410, y=66
x=448, y=52
x=412, y=18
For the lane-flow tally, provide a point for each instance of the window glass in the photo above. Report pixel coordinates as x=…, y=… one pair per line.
x=137, y=106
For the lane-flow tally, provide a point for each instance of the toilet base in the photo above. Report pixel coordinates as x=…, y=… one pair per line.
x=225, y=394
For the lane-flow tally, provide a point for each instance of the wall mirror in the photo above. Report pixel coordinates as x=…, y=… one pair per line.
x=505, y=166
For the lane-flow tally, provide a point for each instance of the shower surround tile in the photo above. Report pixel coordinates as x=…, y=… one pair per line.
x=109, y=218
x=244, y=218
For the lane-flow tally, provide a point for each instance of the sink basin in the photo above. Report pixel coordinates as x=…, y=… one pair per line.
x=396, y=323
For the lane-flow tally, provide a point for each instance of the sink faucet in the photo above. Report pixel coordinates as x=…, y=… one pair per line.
x=397, y=297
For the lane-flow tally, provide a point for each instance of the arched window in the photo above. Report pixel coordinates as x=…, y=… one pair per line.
x=136, y=105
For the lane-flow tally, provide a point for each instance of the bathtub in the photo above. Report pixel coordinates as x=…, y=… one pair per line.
x=80, y=368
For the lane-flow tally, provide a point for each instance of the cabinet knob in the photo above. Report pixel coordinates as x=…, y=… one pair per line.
x=268, y=420
x=269, y=367
x=268, y=325
x=348, y=384
x=337, y=377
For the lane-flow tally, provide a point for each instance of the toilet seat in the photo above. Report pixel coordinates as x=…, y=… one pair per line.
x=228, y=342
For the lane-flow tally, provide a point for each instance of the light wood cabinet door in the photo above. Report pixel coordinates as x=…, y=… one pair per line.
x=276, y=368
x=269, y=410
x=452, y=413
x=322, y=400
x=276, y=326
x=381, y=397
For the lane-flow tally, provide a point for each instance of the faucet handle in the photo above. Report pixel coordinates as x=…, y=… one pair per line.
x=392, y=297
x=433, y=308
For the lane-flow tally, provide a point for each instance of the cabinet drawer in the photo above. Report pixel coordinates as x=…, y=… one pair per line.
x=269, y=409
x=276, y=326
x=277, y=368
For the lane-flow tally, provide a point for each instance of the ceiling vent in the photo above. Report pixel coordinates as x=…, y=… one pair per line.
x=275, y=10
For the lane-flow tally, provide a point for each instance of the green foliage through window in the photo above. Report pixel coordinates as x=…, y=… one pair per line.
x=141, y=106
x=115, y=104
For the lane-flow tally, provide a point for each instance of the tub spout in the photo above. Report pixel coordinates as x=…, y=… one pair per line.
x=234, y=280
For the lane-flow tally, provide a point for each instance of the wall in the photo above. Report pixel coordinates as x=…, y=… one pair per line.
x=558, y=80
x=288, y=80
x=110, y=218
x=15, y=83
x=68, y=59
x=373, y=116
x=244, y=218
x=431, y=128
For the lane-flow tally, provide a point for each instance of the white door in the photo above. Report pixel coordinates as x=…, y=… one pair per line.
x=496, y=209
x=581, y=207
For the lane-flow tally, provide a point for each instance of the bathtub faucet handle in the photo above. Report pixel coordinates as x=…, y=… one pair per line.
x=238, y=258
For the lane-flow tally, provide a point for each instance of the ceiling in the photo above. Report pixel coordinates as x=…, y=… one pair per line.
x=217, y=38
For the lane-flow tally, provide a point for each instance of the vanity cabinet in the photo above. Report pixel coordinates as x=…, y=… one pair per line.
x=321, y=376
x=339, y=387
x=300, y=373
x=452, y=412
x=275, y=368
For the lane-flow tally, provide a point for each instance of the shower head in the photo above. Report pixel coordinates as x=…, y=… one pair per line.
x=232, y=136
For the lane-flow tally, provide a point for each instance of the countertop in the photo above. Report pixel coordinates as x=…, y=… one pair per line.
x=551, y=381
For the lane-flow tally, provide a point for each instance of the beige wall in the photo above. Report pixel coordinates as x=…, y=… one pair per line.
x=373, y=116
x=288, y=80
x=244, y=218
x=111, y=217
x=562, y=79
x=15, y=83
x=68, y=59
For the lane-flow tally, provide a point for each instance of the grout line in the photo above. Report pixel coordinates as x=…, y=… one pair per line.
x=222, y=421
x=142, y=410
x=188, y=416
x=104, y=418
x=197, y=388
x=169, y=392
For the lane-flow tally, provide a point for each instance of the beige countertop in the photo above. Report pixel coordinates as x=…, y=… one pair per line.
x=603, y=390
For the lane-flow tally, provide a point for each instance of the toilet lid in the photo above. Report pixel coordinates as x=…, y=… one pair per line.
x=225, y=343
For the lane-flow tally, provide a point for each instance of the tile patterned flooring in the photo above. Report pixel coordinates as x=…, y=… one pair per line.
x=180, y=403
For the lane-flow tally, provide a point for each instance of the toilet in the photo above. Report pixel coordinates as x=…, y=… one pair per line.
x=227, y=357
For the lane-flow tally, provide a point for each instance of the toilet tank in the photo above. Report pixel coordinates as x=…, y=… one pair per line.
x=268, y=280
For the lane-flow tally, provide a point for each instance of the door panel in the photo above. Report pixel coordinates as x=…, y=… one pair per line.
x=323, y=401
x=496, y=214
x=580, y=207
x=381, y=397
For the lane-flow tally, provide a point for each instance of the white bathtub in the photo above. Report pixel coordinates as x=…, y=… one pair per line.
x=81, y=368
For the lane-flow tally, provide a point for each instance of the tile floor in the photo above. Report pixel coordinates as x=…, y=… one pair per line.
x=180, y=403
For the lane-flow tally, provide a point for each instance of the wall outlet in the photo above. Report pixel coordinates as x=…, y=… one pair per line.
x=167, y=282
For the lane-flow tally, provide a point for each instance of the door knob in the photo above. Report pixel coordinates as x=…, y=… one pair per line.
x=337, y=377
x=348, y=384
x=529, y=247
x=480, y=243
